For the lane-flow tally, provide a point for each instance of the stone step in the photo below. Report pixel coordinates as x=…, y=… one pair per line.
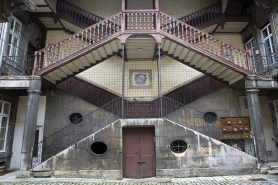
x=273, y=172
x=41, y=174
x=274, y=167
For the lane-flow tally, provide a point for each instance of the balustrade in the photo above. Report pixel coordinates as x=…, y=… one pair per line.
x=76, y=13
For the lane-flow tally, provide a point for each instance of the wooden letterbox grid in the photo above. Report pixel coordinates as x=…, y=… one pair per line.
x=235, y=128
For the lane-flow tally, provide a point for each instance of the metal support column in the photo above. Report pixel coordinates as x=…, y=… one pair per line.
x=123, y=82
x=159, y=81
x=257, y=124
x=30, y=126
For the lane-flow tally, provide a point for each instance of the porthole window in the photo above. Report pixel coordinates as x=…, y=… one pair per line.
x=178, y=146
x=210, y=117
x=76, y=118
x=98, y=148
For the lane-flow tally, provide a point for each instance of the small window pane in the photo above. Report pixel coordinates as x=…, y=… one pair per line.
x=3, y=133
x=1, y=104
x=4, y=122
x=6, y=108
x=2, y=144
x=265, y=34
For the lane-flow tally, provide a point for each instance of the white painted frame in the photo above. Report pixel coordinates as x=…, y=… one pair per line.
x=268, y=38
x=8, y=121
x=13, y=32
x=3, y=31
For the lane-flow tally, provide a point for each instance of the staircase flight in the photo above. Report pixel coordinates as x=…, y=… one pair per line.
x=185, y=43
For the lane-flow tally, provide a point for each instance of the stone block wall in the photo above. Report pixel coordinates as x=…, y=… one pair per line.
x=59, y=106
x=204, y=156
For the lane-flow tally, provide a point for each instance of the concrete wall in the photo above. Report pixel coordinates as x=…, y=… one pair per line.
x=19, y=127
x=224, y=102
x=204, y=156
x=59, y=106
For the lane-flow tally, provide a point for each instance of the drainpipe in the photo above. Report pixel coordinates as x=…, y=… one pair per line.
x=123, y=82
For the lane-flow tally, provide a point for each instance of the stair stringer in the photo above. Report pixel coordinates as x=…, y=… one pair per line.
x=205, y=156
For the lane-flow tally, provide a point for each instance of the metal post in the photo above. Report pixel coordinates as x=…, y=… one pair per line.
x=159, y=81
x=123, y=82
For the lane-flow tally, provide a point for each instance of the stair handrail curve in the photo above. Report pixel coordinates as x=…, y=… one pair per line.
x=195, y=120
x=217, y=6
x=79, y=10
x=96, y=117
x=236, y=56
x=76, y=42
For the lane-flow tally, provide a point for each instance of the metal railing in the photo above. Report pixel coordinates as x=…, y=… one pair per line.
x=77, y=14
x=239, y=137
x=264, y=61
x=131, y=20
x=76, y=131
x=16, y=65
x=203, y=16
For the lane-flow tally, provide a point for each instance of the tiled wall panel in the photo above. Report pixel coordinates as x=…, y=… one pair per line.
x=175, y=8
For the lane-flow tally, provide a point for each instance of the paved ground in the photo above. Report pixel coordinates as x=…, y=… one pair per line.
x=10, y=179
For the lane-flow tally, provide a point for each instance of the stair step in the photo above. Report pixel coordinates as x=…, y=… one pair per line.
x=274, y=167
x=41, y=174
x=273, y=172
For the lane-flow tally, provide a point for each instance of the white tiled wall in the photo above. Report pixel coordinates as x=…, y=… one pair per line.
x=108, y=74
x=175, y=8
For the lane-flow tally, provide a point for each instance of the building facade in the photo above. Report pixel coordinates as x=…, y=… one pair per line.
x=135, y=89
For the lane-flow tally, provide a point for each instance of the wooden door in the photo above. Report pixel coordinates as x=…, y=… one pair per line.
x=139, y=152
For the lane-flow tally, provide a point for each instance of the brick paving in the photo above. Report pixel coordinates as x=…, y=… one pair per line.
x=225, y=180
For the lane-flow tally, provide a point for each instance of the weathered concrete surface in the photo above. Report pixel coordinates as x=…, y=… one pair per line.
x=30, y=124
x=204, y=157
x=255, y=82
x=257, y=123
x=16, y=82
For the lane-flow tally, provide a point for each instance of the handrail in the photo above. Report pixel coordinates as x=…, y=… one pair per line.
x=65, y=7
x=88, y=120
x=204, y=41
x=78, y=41
x=152, y=20
x=218, y=4
x=213, y=127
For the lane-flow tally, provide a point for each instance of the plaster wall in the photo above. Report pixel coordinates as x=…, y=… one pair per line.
x=267, y=125
x=19, y=126
x=204, y=156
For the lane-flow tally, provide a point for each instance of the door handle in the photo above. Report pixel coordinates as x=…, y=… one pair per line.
x=141, y=162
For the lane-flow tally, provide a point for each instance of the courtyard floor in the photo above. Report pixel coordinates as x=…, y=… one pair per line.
x=10, y=179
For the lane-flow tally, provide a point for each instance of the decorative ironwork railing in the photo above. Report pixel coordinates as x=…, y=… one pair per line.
x=16, y=65
x=76, y=13
x=203, y=16
x=76, y=131
x=87, y=37
x=90, y=92
x=205, y=42
x=239, y=137
x=141, y=21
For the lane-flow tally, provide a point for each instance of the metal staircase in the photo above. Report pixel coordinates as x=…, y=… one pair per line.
x=98, y=42
x=75, y=18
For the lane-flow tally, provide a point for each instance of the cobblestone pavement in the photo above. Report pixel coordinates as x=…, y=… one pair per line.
x=225, y=180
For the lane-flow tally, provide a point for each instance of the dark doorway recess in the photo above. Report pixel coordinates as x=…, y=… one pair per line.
x=139, y=152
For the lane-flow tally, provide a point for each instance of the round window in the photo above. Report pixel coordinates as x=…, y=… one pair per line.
x=98, y=148
x=210, y=117
x=76, y=118
x=178, y=146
